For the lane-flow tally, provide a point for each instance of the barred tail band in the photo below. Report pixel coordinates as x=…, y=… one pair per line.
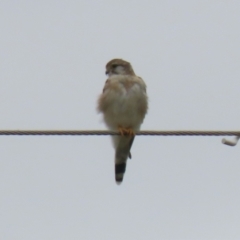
x=119, y=171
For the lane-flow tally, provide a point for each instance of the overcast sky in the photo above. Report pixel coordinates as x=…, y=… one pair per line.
x=52, y=65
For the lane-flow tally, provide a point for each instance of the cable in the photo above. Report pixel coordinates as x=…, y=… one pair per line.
x=102, y=132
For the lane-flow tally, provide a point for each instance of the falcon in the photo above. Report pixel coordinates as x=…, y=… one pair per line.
x=124, y=104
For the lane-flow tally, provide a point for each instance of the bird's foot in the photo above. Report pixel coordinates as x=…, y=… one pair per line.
x=126, y=131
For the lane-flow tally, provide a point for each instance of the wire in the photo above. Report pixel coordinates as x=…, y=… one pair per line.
x=101, y=132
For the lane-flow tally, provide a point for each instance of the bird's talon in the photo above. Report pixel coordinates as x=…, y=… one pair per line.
x=121, y=130
x=126, y=131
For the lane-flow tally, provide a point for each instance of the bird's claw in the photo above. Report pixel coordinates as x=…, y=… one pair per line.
x=126, y=131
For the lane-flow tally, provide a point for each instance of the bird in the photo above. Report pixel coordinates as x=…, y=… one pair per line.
x=124, y=104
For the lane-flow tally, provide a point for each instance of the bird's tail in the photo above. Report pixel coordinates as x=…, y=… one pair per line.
x=121, y=156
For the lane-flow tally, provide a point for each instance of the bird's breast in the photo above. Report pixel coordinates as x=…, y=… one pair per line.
x=124, y=100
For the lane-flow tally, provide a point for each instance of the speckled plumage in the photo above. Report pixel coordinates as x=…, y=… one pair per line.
x=123, y=104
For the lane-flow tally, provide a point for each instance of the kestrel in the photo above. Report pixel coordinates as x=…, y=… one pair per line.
x=124, y=104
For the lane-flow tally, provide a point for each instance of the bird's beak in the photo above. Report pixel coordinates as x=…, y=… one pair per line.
x=106, y=72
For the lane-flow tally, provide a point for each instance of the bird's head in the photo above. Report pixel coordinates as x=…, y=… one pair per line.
x=119, y=67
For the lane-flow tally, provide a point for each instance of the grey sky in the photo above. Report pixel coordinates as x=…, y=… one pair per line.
x=52, y=60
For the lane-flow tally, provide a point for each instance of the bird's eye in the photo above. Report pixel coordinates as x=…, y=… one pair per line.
x=114, y=65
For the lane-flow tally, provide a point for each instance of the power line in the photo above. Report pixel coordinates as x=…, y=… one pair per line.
x=103, y=132
x=140, y=133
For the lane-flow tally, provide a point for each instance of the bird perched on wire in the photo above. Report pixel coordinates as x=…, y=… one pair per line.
x=124, y=103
